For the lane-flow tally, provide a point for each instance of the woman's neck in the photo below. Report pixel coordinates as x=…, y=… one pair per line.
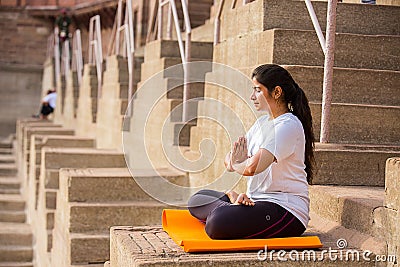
x=278, y=111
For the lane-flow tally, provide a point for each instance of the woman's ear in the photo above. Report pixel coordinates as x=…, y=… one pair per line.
x=277, y=92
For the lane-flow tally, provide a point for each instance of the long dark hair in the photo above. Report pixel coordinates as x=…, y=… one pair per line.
x=271, y=75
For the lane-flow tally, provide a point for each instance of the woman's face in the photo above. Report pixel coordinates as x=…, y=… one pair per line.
x=260, y=96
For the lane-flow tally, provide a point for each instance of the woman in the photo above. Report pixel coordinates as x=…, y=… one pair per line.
x=276, y=156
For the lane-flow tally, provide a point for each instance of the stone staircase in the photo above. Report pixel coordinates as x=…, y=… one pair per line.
x=76, y=192
x=74, y=179
x=350, y=197
x=16, y=237
x=114, y=101
x=84, y=216
x=87, y=104
x=165, y=84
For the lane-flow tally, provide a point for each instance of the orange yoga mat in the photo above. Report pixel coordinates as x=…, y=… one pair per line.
x=189, y=233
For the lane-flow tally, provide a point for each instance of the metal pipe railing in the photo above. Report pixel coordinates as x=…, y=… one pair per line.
x=57, y=63
x=130, y=57
x=184, y=50
x=188, y=48
x=169, y=23
x=129, y=21
x=77, y=57
x=128, y=44
x=317, y=27
x=66, y=59
x=328, y=70
x=217, y=23
x=118, y=20
x=96, y=50
x=50, y=46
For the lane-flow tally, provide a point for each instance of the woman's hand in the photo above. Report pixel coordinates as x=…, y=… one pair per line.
x=239, y=151
x=243, y=199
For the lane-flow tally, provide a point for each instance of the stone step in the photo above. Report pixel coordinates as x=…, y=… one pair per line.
x=63, y=141
x=360, y=124
x=354, y=207
x=182, y=133
x=16, y=254
x=15, y=234
x=351, y=18
x=6, y=151
x=89, y=248
x=204, y=33
x=16, y=264
x=120, y=90
x=89, y=265
x=44, y=131
x=121, y=74
x=118, y=62
x=175, y=89
x=11, y=203
x=7, y=159
x=94, y=217
x=9, y=183
x=8, y=169
x=349, y=164
x=365, y=85
x=170, y=48
x=301, y=47
x=12, y=216
x=10, y=191
x=271, y=14
x=153, y=65
x=150, y=245
x=22, y=125
x=5, y=144
x=56, y=158
x=112, y=184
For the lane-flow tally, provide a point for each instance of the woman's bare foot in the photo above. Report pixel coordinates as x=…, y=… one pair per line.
x=232, y=195
x=243, y=199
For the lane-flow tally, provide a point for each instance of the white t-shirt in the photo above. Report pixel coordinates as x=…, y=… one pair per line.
x=284, y=182
x=51, y=99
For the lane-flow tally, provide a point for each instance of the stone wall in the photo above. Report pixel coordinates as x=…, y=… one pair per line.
x=23, y=42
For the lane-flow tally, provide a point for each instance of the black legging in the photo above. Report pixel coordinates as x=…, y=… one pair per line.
x=226, y=221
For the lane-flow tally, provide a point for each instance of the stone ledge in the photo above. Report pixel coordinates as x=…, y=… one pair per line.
x=352, y=164
x=355, y=207
x=151, y=246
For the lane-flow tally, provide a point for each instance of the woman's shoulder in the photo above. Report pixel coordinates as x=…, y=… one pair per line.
x=289, y=120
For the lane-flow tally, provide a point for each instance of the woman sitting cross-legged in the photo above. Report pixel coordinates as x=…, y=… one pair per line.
x=276, y=156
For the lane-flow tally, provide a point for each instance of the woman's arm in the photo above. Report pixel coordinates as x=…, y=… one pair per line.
x=227, y=162
x=253, y=165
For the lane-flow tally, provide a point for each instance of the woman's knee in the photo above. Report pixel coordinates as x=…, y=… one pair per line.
x=216, y=226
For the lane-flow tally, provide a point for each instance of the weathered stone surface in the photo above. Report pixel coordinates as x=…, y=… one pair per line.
x=354, y=207
x=350, y=164
x=151, y=246
x=357, y=86
x=113, y=184
x=53, y=158
x=11, y=203
x=360, y=124
x=351, y=18
x=392, y=184
x=15, y=234
x=391, y=212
